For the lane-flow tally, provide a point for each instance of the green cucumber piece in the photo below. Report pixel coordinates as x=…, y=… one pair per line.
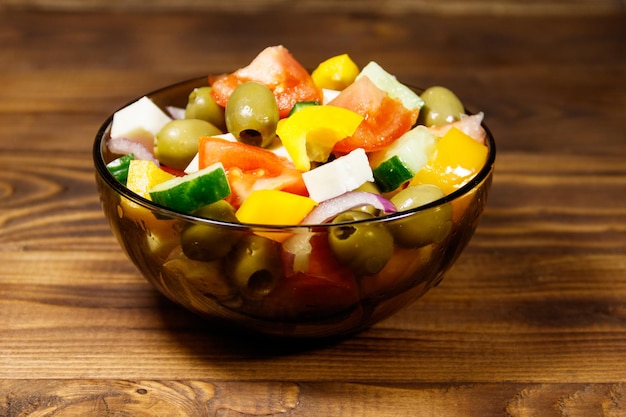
x=119, y=167
x=403, y=158
x=391, y=174
x=389, y=83
x=302, y=104
x=189, y=193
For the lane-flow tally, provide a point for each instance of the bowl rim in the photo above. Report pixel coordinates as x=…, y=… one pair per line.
x=159, y=210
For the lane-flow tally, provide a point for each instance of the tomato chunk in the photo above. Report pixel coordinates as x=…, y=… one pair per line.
x=249, y=168
x=385, y=118
x=276, y=68
x=326, y=288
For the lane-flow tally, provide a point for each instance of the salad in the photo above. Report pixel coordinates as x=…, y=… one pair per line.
x=272, y=144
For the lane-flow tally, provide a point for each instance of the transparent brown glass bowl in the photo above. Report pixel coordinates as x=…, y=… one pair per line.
x=333, y=303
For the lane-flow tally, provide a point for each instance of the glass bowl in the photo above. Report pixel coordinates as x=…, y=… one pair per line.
x=252, y=283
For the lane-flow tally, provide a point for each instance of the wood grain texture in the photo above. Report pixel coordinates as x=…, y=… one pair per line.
x=198, y=398
x=387, y=7
x=531, y=321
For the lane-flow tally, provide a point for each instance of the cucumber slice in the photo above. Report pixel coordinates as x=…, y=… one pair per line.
x=190, y=192
x=119, y=167
x=302, y=104
x=389, y=83
x=391, y=174
x=403, y=158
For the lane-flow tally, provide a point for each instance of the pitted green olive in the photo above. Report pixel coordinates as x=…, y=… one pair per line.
x=365, y=248
x=200, y=105
x=425, y=227
x=441, y=106
x=176, y=144
x=255, y=266
x=252, y=114
x=206, y=242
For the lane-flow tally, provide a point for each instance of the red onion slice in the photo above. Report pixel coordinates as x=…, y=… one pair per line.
x=299, y=247
x=125, y=146
x=176, y=112
x=330, y=208
x=470, y=125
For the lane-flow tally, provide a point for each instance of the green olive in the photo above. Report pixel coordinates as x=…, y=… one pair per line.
x=255, y=266
x=200, y=105
x=367, y=208
x=368, y=187
x=252, y=114
x=206, y=242
x=365, y=248
x=441, y=106
x=207, y=278
x=176, y=144
x=424, y=227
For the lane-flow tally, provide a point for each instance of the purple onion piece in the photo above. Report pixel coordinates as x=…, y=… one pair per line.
x=330, y=208
x=176, y=112
x=125, y=146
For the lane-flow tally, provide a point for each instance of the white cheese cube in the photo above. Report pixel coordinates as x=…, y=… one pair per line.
x=339, y=176
x=193, y=166
x=328, y=95
x=139, y=121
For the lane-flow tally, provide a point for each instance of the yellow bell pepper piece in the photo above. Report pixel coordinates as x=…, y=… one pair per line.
x=311, y=133
x=274, y=207
x=335, y=73
x=457, y=158
x=142, y=176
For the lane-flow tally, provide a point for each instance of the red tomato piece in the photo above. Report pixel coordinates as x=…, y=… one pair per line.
x=385, y=118
x=173, y=171
x=250, y=168
x=276, y=68
x=327, y=287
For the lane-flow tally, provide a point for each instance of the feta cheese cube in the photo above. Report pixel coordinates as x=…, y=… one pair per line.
x=344, y=174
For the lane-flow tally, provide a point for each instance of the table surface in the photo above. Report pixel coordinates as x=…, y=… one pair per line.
x=531, y=320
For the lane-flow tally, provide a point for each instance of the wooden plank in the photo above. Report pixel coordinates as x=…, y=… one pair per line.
x=389, y=7
x=531, y=320
x=530, y=317
x=272, y=398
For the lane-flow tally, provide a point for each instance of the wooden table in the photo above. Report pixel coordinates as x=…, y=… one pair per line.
x=531, y=321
